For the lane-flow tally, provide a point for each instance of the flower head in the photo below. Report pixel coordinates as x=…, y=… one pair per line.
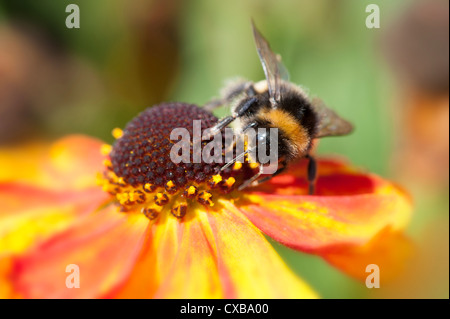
x=142, y=176
x=156, y=229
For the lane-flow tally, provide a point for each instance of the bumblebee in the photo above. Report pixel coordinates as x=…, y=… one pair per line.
x=277, y=103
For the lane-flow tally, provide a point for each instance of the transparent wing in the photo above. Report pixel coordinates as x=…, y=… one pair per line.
x=271, y=64
x=330, y=124
x=284, y=73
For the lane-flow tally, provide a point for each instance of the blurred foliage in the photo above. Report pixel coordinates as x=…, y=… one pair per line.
x=129, y=55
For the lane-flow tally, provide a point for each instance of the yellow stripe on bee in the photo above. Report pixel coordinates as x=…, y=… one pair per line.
x=289, y=125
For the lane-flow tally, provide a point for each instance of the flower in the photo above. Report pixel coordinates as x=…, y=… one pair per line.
x=163, y=232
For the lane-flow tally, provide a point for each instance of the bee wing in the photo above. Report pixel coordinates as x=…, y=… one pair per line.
x=284, y=73
x=271, y=64
x=329, y=123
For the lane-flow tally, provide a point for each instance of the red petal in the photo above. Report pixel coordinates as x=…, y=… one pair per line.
x=333, y=178
x=360, y=205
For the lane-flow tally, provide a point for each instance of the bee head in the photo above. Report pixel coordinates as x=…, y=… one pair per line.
x=268, y=142
x=287, y=132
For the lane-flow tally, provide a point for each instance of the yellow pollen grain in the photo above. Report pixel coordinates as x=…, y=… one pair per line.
x=230, y=181
x=159, y=195
x=170, y=184
x=253, y=165
x=191, y=190
x=134, y=196
x=107, y=163
x=217, y=179
x=99, y=180
x=117, y=133
x=120, y=180
x=105, y=149
x=148, y=187
x=237, y=166
x=123, y=198
x=205, y=196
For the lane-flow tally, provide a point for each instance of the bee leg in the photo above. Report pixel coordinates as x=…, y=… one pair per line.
x=249, y=182
x=267, y=178
x=312, y=174
x=229, y=119
x=254, y=182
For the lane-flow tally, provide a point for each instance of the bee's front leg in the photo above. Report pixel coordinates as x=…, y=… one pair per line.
x=229, y=119
x=254, y=181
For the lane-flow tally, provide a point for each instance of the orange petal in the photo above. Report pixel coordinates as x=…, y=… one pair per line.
x=193, y=273
x=248, y=265
x=103, y=245
x=154, y=262
x=176, y=262
x=389, y=250
x=211, y=255
x=71, y=162
x=310, y=223
x=30, y=215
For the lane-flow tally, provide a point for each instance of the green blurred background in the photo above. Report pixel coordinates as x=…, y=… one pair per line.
x=128, y=55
